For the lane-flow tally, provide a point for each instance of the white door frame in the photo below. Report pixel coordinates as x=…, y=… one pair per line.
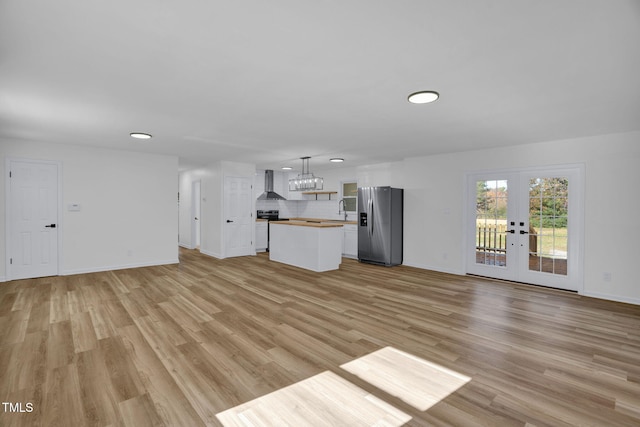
x=196, y=210
x=576, y=195
x=8, y=206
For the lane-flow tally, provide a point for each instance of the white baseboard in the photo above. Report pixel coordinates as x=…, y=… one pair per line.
x=609, y=297
x=3, y=279
x=182, y=245
x=433, y=268
x=117, y=267
x=211, y=254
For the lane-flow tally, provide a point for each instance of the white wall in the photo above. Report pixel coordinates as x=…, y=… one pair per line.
x=434, y=197
x=129, y=213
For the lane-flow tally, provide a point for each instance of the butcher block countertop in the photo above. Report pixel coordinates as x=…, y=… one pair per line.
x=324, y=220
x=317, y=224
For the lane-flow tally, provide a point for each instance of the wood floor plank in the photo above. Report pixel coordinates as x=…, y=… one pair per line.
x=40, y=309
x=60, y=348
x=170, y=404
x=62, y=399
x=125, y=381
x=84, y=336
x=14, y=325
x=139, y=411
x=177, y=344
x=99, y=400
x=24, y=364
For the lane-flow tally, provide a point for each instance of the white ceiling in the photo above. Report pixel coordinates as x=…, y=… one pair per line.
x=267, y=82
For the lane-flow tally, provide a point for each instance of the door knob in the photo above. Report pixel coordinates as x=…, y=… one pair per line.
x=229, y=220
x=511, y=231
x=524, y=232
x=50, y=226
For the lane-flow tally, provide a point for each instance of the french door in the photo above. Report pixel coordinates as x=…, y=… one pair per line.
x=526, y=226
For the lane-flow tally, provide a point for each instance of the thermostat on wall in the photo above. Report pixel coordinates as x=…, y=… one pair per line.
x=74, y=207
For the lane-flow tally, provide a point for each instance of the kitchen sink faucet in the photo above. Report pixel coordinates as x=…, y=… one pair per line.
x=344, y=208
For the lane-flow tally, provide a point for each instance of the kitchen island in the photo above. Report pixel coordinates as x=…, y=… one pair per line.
x=316, y=246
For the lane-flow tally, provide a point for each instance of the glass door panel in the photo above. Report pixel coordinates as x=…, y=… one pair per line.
x=491, y=222
x=492, y=249
x=548, y=222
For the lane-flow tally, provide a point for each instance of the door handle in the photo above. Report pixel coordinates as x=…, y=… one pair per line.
x=524, y=232
x=229, y=220
x=511, y=231
x=50, y=226
x=370, y=216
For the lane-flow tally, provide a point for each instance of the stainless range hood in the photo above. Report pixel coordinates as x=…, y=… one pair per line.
x=269, y=194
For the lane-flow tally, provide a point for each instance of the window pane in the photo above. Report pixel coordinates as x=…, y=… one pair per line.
x=350, y=204
x=491, y=222
x=350, y=189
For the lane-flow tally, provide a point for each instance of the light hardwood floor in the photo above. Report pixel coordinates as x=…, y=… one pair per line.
x=176, y=345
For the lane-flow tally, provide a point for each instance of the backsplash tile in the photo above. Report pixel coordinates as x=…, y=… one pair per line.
x=326, y=209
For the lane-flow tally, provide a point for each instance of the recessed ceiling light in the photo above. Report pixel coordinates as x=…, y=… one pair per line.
x=423, y=97
x=287, y=168
x=140, y=135
x=336, y=160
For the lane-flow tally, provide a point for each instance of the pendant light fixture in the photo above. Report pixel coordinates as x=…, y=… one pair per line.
x=306, y=180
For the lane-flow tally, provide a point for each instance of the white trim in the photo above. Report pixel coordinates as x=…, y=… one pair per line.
x=3, y=279
x=119, y=267
x=211, y=254
x=433, y=268
x=182, y=245
x=192, y=221
x=7, y=204
x=599, y=295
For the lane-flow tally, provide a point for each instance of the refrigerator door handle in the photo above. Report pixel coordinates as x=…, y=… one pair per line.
x=372, y=218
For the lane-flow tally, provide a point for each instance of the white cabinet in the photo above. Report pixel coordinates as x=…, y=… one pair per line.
x=315, y=248
x=262, y=228
x=350, y=241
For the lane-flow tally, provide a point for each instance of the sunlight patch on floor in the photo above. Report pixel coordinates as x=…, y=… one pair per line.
x=415, y=381
x=325, y=399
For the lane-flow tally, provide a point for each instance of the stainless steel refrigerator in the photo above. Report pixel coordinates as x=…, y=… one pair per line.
x=380, y=225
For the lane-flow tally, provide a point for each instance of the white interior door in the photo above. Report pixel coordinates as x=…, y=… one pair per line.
x=527, y=226
x=32, y=220
x=238, y=219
